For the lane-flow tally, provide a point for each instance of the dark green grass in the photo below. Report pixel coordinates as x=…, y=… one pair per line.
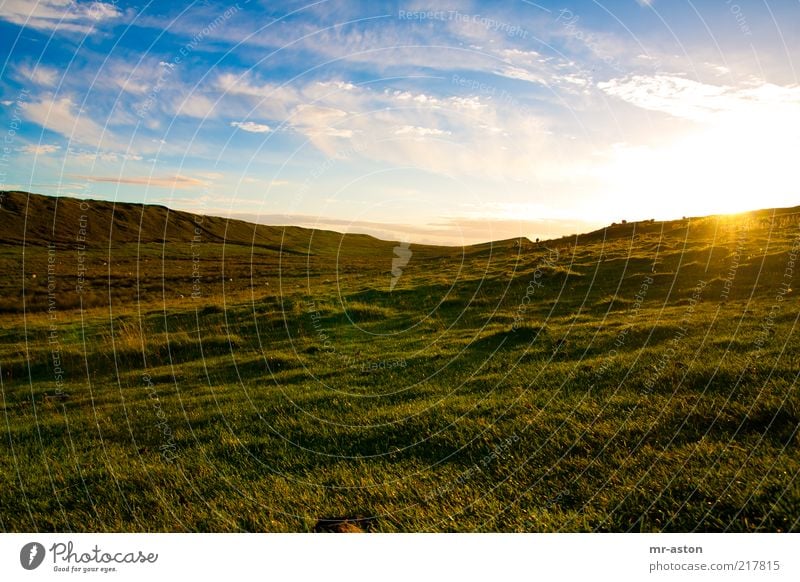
x=296, y=386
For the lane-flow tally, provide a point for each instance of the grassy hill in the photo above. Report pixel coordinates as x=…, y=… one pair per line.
x=40, y=220
x=167, y=372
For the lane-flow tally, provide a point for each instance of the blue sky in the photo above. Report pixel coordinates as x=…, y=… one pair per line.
x=448, y=122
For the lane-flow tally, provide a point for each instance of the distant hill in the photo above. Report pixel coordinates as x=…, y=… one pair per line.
x=700, y=225
x=40, y=220
x=94, y=253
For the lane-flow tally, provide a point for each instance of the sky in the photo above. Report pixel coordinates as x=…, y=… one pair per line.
x=448, y=122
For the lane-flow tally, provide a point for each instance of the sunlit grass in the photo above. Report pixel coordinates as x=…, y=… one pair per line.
x=298, y=388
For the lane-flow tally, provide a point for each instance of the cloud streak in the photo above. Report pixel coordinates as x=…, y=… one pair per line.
x=40, y=149
x=58, y=15
x=251, y=126
x=689, y=99
x=176, y=182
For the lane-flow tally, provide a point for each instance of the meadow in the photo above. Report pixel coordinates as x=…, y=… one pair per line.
x=162, y=371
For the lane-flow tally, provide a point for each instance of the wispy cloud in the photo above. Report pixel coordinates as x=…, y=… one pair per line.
x=251, y=126
x=415, y=131
x=61, y=116
x=446, y=231
x=561, y=112
x=176, y=182
x=272, y=100
x=688, y=99
x=40, y=149
x=58, y=15
x=98, y=155
x=196, y=105
x=266, y=182
x=40, y=75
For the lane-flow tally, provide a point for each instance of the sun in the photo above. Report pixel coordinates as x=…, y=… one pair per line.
x=741, y=163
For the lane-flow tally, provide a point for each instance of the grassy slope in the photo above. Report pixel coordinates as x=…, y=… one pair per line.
x=508, y=386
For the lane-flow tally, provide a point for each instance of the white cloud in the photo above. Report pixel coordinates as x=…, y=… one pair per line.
x=337, y=132
x=40, y=149
x=688, y=99
x=521, y=75
x=417, y=131
x=420, y=98
x=271, y=101
x=677, y=96
x=105, y=156
x=341, y=85
x=177, y=182
x=736, y=155
x=495, y=139
x=130, y=85
x=269, y=183
x=59, y=115
x=211, y=175
x=573, y=79
x=318, y=120
x=719, y=70
x=195, y=105
x=41, y=75
x=466, y=102
x=251, y=126
x=58, y=15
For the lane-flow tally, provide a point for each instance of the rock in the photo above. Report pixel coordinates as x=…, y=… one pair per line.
x=348, y=524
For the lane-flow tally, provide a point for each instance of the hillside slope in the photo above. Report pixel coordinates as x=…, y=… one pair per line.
x=104, y=253
x=639, y=378
x=40, y=220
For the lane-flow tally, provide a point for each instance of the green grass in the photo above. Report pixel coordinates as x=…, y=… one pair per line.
x=296, y=386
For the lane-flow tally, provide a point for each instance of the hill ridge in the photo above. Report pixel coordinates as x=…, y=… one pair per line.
x=39, y=219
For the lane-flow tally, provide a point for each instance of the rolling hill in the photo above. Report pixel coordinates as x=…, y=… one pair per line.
x=239, y=377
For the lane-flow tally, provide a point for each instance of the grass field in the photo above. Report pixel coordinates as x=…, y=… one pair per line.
x=165, y=372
